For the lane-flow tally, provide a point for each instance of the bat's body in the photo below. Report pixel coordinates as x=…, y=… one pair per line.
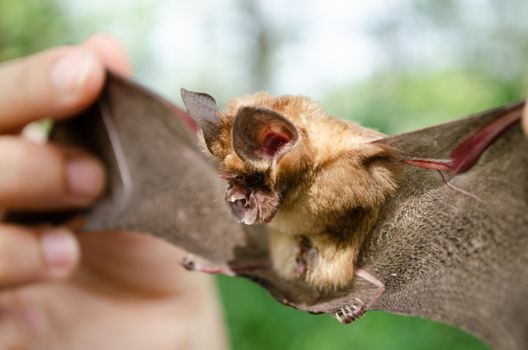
x=316, y=181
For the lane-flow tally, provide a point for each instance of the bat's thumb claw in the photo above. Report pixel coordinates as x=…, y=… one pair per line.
x=187, y=263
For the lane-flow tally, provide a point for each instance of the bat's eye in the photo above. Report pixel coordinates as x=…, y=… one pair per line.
x=232, y=177
x=255, y=180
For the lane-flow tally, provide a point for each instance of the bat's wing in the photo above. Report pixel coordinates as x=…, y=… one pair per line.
x=454, y=253
x=159, y=180
x=441, y=254
x=460, y=258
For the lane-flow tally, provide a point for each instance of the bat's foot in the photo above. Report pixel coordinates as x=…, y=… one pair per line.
x=370, y=278
x=350, y=312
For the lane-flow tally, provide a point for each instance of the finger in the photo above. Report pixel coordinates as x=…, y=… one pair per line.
x=45, y=176
x=14, y=332
x=55, y=83
x=28, y=255
x=110, y=51
x=524, y=120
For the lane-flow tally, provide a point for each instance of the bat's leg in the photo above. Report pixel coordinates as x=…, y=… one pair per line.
x=353, y=311
x=376, y=282
x=233, y=270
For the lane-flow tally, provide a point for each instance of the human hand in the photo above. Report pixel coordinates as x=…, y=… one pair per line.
x=127, y=291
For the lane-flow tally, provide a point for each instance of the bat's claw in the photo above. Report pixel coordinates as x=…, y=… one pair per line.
x=350, y=312
x=188, y=264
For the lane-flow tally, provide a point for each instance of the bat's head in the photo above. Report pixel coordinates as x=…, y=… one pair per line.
x=257, y=146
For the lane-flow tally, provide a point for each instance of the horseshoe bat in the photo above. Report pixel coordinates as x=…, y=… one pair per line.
x=449, y=240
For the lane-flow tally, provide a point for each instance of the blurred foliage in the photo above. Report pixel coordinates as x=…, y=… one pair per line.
x=256, y=321
x=29, y=26
x=392, y=102
x=438, y=60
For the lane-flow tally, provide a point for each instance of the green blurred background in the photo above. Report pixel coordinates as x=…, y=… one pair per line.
x=394, y=65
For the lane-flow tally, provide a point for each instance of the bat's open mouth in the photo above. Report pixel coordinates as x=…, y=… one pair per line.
x=249, y=206
x=243, y=204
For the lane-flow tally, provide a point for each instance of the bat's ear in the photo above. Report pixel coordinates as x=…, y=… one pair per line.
x=262, y=136
x=203, y=110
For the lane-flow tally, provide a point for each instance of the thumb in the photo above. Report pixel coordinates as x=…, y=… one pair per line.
x=28, y=255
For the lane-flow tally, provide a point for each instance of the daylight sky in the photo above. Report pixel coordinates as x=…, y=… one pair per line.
x=206, y=44
x=329, y=44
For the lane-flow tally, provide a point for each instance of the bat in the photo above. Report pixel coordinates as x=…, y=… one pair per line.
x=317, y=182
x=440, y=253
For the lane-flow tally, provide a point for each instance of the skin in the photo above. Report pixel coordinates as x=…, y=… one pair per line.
x=62, y=290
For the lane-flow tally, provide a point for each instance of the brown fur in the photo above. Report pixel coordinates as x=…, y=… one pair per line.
x=331, y=187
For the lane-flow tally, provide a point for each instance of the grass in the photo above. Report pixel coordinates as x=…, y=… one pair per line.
x=256, y=321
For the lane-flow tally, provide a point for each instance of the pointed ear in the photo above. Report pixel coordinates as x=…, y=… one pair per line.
x=203, y=110
x=262, y=135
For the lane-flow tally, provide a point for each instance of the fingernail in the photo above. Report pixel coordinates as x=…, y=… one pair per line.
x=85, y=176
x=60, y=249
x=70, y=72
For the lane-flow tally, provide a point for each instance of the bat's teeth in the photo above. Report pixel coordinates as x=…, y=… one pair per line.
x=247, y=221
